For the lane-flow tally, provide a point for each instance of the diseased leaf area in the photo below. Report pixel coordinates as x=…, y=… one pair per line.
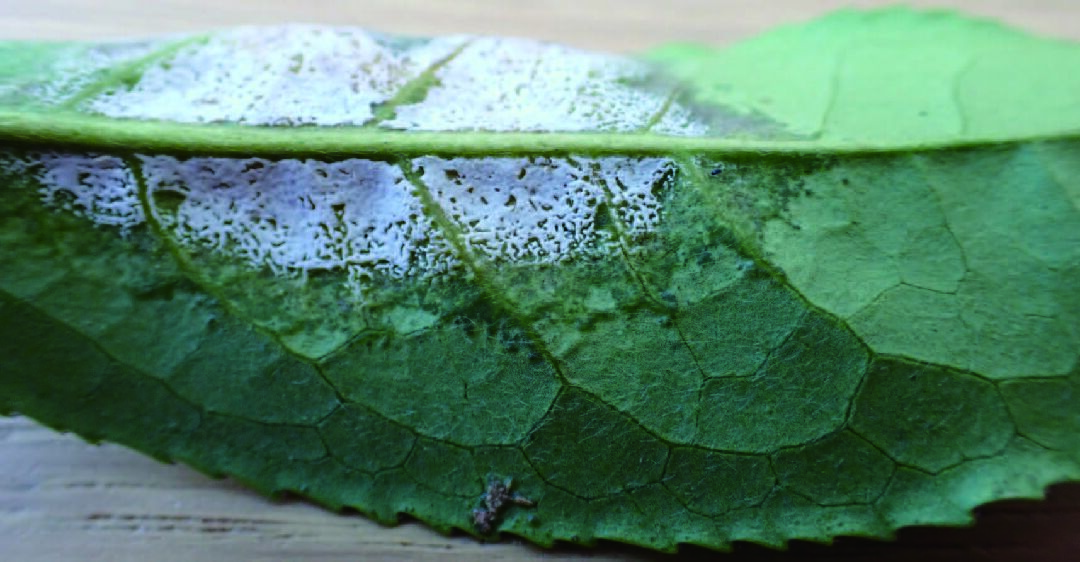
x=822, y=283
x=799, y=349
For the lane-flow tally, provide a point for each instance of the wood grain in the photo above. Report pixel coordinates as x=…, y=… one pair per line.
x=62, y=499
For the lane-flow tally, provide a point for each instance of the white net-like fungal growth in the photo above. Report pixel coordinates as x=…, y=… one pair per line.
x=98, y=187
x=544, y=210
x=310, y=75
x=286, y=75
x=298, y=215
x=360, y=216
x=500, y=84
x=635, y=187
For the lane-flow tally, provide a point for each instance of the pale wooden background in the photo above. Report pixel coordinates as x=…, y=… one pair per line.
x=61, y=499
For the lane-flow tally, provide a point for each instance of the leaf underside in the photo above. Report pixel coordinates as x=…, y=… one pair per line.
x=740, y=323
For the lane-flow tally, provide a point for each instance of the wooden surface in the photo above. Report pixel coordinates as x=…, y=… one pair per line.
x=62, y=499
x=617, y=25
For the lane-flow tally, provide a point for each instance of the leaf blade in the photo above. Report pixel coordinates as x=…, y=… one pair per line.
x=660, y=339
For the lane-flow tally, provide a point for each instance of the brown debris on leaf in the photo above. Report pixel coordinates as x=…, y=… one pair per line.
x=494, y=503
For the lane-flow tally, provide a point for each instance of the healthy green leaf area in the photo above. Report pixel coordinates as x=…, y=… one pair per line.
x=820, y=283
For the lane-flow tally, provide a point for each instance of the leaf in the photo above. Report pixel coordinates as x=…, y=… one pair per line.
x=891, y=78
x=819, y=283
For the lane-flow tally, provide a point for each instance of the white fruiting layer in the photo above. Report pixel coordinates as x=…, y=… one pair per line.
x=543, y=209
x=310, y=75
x=362, y=216
x=287, y=75
x=291, y=215
x=98, y=187
x=500, y=84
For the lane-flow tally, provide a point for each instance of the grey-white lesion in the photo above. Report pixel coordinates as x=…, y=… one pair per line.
x=508, y=84
x=540, y=209
x=281, y=75
x=291, y=216
x=99, y=187
x=295, y=216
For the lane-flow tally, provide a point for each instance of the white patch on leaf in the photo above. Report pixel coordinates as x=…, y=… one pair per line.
x=363, y=216
x=286, y=75
x=96, y=186
x=544, y=209
x=312, y=75
x=503, y=84
x=299, y=215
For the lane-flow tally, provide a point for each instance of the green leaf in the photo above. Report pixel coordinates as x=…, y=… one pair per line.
x=819, y=283
x=892, y=77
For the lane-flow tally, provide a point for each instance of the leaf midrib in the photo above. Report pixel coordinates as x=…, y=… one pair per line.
x=76, y=131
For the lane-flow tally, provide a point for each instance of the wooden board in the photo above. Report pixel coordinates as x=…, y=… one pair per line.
x=614, y=25
x=62, y=499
